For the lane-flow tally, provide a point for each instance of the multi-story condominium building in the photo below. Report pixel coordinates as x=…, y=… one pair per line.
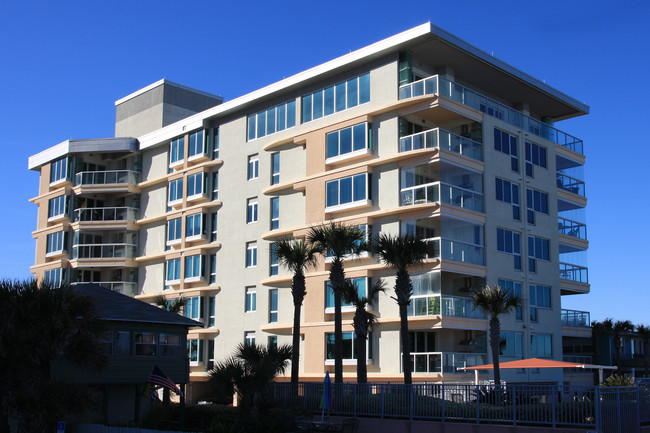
x=419, y=133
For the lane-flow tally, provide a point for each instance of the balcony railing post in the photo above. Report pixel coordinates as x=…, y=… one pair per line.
x=478, y=407
x=443, y=401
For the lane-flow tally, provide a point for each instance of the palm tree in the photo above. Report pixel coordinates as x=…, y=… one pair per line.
x=620, y=327
x=363, y=321
x=41, y=324
x=296, y=256
x=338, y=240
x=644, y=332
x=401, y=252
x=494, y=301
x=250, y=371
x=172, y=305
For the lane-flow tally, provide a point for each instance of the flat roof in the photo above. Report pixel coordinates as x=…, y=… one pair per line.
x=169, y=83
x=94, y=145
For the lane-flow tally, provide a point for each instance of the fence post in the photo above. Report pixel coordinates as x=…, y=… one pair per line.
x=354, y=411
x=618, y=408
x=514, y=406
x=410, y=389
x=443, y=402
x=478, y=409
x=638, y=409
x=554, y=401
x=383, y=399
x=598, y=422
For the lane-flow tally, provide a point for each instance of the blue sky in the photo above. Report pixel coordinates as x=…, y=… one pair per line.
x=64, y=64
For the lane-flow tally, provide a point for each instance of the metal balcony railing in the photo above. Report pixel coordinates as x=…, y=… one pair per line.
x=442, y=139
x=445, y=305
x=576, y=318
x=571, y=184
x=102, y=214
x=107, y=177
x=578, y=274
x=572, y=228
x=452, y=195
x=104, y=251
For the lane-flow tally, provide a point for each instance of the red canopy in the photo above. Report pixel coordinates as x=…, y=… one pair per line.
x=533, y=363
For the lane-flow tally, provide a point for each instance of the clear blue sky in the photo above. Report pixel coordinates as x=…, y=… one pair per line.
x=64, y=63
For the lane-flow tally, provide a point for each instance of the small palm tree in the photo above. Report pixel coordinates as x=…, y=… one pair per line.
x=644, y=333
x=402, y=252
x=250, y=371
x=363, y=321
x=495, y=301
x=339, y=241
x=296, y=256
x=171, y=305
x=620, y=327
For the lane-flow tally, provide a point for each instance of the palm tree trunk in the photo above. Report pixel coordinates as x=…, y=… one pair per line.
x=337, y=279
x=406, y=349
x=362, y=368
x=495, y=340
x=295, y=356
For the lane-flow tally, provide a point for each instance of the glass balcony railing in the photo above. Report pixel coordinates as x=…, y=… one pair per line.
x=570, y=184
x=576, y=318
x=440, y=138
x=106, y=177
x=104, y=251
x=101, y=214
x=462, y=252
x=124, y=287
x=450, y=306
x=444, y=87
x=452, y=195
x=572, y=228
x=445, y=362
x=574, y=273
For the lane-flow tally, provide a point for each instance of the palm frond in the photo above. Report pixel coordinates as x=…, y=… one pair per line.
x=338, y=239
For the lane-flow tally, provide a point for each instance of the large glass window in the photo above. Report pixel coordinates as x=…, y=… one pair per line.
x=176, y=151
x=251, y=210
x=194, y=267
x=274, y=265
x=213, y=227
x=513, y=287
x=275, y=168
x=510, y=242
x=253, y=167
x=538, y=249
x=540, y=297
x=273, y=305
x=536, y=201
x=212, y=310
x=213, y=268
x=348, y=141
x=145, y=344
x=251, y=254
x=56, y=243
x=57, y=207
x=194, y=307
x=175, y=191
x=347, y=191
x=54, y=277
x=170, y=345
x=349, y=346
x=535, y=155
x=174, y=228
x=508, y=192
x=540, y=345
x=511, y=344
x=507, y=143
x=198, y=145
x=196, y=186
x=215, y=185
x=275, y=213
x=215, y=143
x=360, y=283
x=249, y=338
x=173, y=272
x=195, y=351
x=195, y=227
x=274, y=119
x=339, y=97
x=250, y=305
x=59, y=170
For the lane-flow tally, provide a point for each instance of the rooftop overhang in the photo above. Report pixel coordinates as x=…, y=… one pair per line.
x=91, y=145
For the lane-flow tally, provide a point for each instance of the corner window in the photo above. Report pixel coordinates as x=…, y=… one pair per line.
x=58, y=171
x=195, y=351
x=176, y=152
x=348, y=142
x=196, y=186
x=251, y=254
x=194, y=268
x=253, y=167
x=173, y=272
x=339, y=97
x=174, y=228
x=57, y=208
x=193, y=307
x=175, y=192
x=56, y=244
x=54, y=277
x=346, y=192
x=195, y=227
x=198, y=146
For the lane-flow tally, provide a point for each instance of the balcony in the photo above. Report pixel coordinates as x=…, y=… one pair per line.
x=442, y=139
x=451, y=195
x=445, y=362
x=123, y=287
x=572, y=228
x=575, y=318
x=110, y=177
x=442, y=86
x=104, y=214
x=449, y=306
x=104, y=251
x=570, y=184
x=575, y=273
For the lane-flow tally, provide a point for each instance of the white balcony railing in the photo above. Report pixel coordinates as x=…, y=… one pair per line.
x=452, y=195
x=445, y=362
x=442, y=139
